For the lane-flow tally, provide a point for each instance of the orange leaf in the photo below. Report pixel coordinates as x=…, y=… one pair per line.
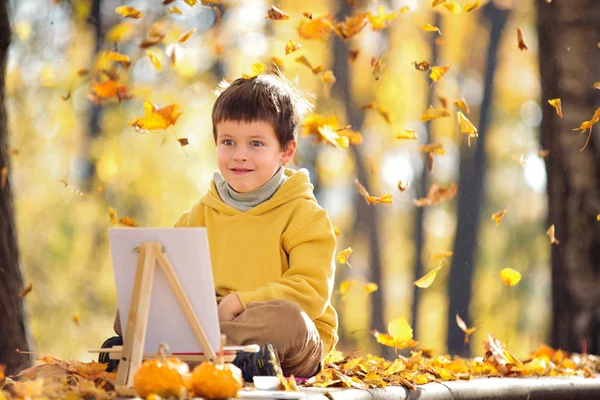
x=543, y=153
x=345, y=288
x=400, y=335
x=462, y=103
x=127, y=221
x=461, y=324
x=431, y=28
x=315, y=28
x=472, y=6
x=154, y=60
x=438, y=72
x=185, y=37
x=344, y=255
x=585, y=125
x=113, y=215
x=155, y=118
x=434, y=114
x=498, y=216
x=276, y=14
x=3, y=177
x=351, y=26
x=428, y=279
x=118, y=57
x=596, y=85
x=437, y=194
x=402, y=186
x=26, y=290
x=436, y=148
x=551, y=234
x=466, y=126
x=292, y=46
x=304, y=61
x=510, y=277
x=422, y=66
x=129, y=12
x=521, y=40
x=385, y=199
x=76, y=318
x=556, y=104
x=407, y=134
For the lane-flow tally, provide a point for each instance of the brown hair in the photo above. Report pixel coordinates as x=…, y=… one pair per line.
x=267, y=97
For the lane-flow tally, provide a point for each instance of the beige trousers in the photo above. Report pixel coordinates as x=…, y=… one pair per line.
x=282, y=323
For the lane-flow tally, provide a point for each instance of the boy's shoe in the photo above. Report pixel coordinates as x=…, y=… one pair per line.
x=263, y=363
x=104, y=357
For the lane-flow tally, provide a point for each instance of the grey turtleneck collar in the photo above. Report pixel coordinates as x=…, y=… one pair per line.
x=247, y=201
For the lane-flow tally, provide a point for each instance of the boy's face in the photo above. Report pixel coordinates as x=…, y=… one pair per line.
x=249, y=153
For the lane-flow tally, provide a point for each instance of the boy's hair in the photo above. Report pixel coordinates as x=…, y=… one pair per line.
x=267, y=97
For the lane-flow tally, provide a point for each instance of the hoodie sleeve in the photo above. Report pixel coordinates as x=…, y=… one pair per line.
x=309, y=280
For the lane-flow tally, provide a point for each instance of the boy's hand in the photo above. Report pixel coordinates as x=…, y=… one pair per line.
x=229, y=308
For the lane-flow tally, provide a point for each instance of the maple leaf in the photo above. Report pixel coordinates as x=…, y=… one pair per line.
x=438, y=72
x=344, y=255
x=466, y=126
x=345, y=288
x=292, y=46
x=400, y=335
x=129, y=12
x=462, y=103
x=431, y=28
x=510, y=277
x=407, y=134
x=551, y=234
x=186, y=36
x=461, y=324
x=276, y=14
x=472, y=6
x=585, y=125
x=437, y=194
x=26, y=290
x=432, y=113
x=381, y=19
x=521, y=40
x=156, y=118
x=315, y=28
x=556, y=104
x=498, y=216
x=426, y=281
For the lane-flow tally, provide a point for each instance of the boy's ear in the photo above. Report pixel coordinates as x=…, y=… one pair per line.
x=290, y=150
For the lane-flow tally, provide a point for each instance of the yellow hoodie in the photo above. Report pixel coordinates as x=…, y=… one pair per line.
x=281, y=249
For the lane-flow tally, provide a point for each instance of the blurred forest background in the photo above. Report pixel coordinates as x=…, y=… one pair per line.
x=73, y=159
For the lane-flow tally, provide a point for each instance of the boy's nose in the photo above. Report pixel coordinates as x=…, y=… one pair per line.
x=240, y=155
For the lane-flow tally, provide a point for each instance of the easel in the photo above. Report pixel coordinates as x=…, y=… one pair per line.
x=150, y=254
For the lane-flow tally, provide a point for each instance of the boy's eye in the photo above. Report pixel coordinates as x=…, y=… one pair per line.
x=256, y=143
x=228, y=142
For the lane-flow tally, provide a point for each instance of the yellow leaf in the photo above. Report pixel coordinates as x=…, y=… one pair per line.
x=428, y=279
x=556, y=104
x=185, y=37
x=596, y=85
x=510, y=277
x=127, y=221
x=292, y=46
x=381, y=19
x=326, y=133
x=190, y=3
x=256, y=69
x=351, y=26
x=437, y=2
x=315, y=28
x=404, y=9
x=453, y=7
x=598, y=217
x=304, y=61
x=154, y=60
x=434, y=114
x=437, y=194
x=431, y=28
x=585, y=125
x=466, y=126
x=76, y=318
x=436, y=148
x=462, y=103
x=400, y=335
x=461, y=324
x=336, y=231
x=276, y=14
x=113, y=215
x=551, y=234
x=328, y=79
x=441, y=255
x=129, y=12
x=370, y=287
x=407, y=134
x=385, y=199
x=345, y=288
x=498, y=216
x=344, y=255
x=438, y=72
x=118, y=57
x=472, y=6
x=156, y=118
x=175, y=10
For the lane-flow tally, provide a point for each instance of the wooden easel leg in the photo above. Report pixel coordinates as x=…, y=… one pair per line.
x=137, y=320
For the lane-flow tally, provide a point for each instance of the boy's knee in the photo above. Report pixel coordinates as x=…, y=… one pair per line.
x=290, y=316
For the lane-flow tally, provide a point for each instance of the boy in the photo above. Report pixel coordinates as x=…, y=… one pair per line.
x=271, y=245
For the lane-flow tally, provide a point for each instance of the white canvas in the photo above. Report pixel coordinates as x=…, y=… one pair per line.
x=187, y=249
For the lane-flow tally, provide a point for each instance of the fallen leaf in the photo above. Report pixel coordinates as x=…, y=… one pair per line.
x=551, y=234
x=556, y=104
x=472, y=6
x=431, y=28
x=372, y=200
x=3, y=177
x=438, y=72
x=26, y=290
x=292, y=46
x=498, y=216
x=344, y=255
x=442, y=255
x=422, y=66
x=402, y=186
x=462, y=103
x=510, y=277
x=466, y=126
x=521, y=40
x=432, y=113
x=428, y=279
x=276, y=14
x=461, y=324
x=186, y=36
x=156, y=118
x=585, y=125
x=370, y=287
x=407, y=134
x=68, y=96
x=183, y=141
x=112, y=213
x=129, y=12
x=154, y=60
x=345, y=288
x=400, y=335
x=436, y=194
x=127, y=221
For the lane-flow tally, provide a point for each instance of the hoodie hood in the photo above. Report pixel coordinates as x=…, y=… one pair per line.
x=296, y=186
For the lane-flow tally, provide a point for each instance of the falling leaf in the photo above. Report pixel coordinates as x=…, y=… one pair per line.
x=336, y=231
x=113, y=215
x=127, y=221
x=434, y=114
x=292, y=46
x=344, y=255
x=422, y=66
x=304, y=61
x=436, y=148
x=256, y=69
x=444, y=101
x=585, y=125
x=352, y=55
x=436, y=194
x=83, y=71
x=400, y=335
x=461, y=324
x=598, y=217
x=185, y=37
x=218, y=14
x=122, y=59
x=466, y=126
x=156, y=118
x=521, y=40
x=370, y=287
x=428, y=279
x=327, y=134
x=556, y=104
x=442, y=255
x=154, y=60
x=596, y=85
x=510, y=277
x=407, y=134
x=381, y=19
x=68, y=96
x=372, y=200
x=315, y=28
x=386, y=115
x=71, y=188
x=472, y=6
x=351, y=26
x=437, y=2
x=129, y=12
x=551, y=234
x=378, y=66
x=276, y=14
x=183, y=141
x=76, y=318
x=543, y=153
x=175, y=10
x=438, y=72
x=345, y=288
x=453, y=7
x=190, y=3
x=498, y=216
x=26, y=290
x=431, y=28
x=462, y=103
x=402, y=186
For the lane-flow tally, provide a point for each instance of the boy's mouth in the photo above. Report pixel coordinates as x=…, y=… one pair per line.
x=240, y=171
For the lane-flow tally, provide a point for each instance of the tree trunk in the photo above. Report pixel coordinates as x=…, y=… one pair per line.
x=569, y=65
x=13, y=334
x=470, y=191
